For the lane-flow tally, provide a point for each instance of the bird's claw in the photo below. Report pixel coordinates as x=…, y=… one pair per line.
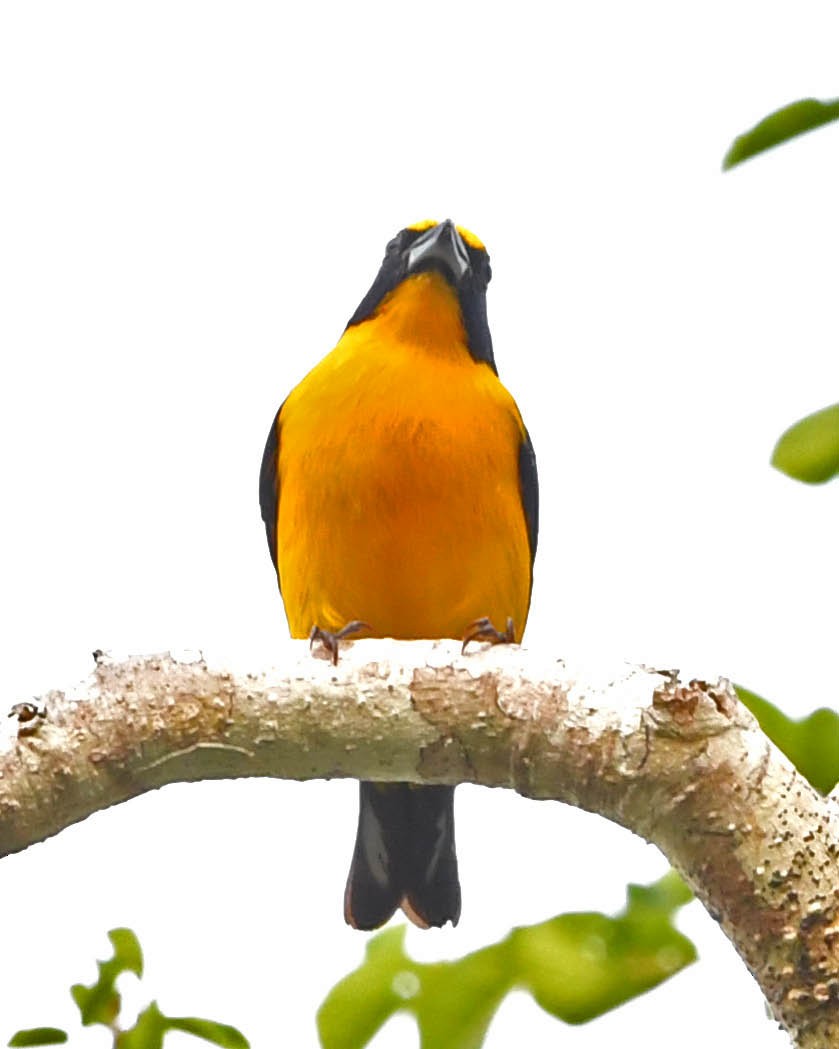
x=329, y=640
x=483, y=630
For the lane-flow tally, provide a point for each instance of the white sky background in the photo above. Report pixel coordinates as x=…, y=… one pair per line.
x=193, y=199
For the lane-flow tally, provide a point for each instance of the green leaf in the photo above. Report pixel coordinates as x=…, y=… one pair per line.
x=809, y=449
x=147, y=1032
x=128, y=956
x=219, y=1034
x=780, y=126
x=577, y=966
x=100, y=1002
x=360, y=1004
x=39, y=1036
x=812, y=744
x=151, y=1026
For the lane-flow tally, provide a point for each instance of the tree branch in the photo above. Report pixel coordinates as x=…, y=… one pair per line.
x=683, y=765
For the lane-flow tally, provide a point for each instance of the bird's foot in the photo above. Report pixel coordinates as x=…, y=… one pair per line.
x=483, y=630
x=329, y=641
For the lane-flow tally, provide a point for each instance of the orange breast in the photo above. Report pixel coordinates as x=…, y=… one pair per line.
x=399, y=499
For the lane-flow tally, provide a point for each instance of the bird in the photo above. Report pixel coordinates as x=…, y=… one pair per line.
x=400, y=499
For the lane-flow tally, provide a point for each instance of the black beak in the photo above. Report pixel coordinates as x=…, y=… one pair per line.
x=441, y=247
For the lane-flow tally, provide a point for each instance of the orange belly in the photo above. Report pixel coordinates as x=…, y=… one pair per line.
x=399, y=498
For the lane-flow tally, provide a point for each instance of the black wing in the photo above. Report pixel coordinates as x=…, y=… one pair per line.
x=269, y=486
x=529, y=485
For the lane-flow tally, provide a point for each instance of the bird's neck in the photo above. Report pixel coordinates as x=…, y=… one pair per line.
x=423, y=310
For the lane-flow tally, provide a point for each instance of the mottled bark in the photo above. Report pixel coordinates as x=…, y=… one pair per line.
x=683, y=765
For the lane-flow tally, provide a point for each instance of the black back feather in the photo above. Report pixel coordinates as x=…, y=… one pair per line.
x=269, y=486
x=529, y=487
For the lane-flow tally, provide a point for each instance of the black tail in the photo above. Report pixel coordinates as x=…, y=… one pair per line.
x=404, y=857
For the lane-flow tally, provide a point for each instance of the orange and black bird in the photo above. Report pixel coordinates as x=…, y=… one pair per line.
x=400, y=499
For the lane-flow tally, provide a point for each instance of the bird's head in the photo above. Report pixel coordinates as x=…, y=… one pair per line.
x=434, y=267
